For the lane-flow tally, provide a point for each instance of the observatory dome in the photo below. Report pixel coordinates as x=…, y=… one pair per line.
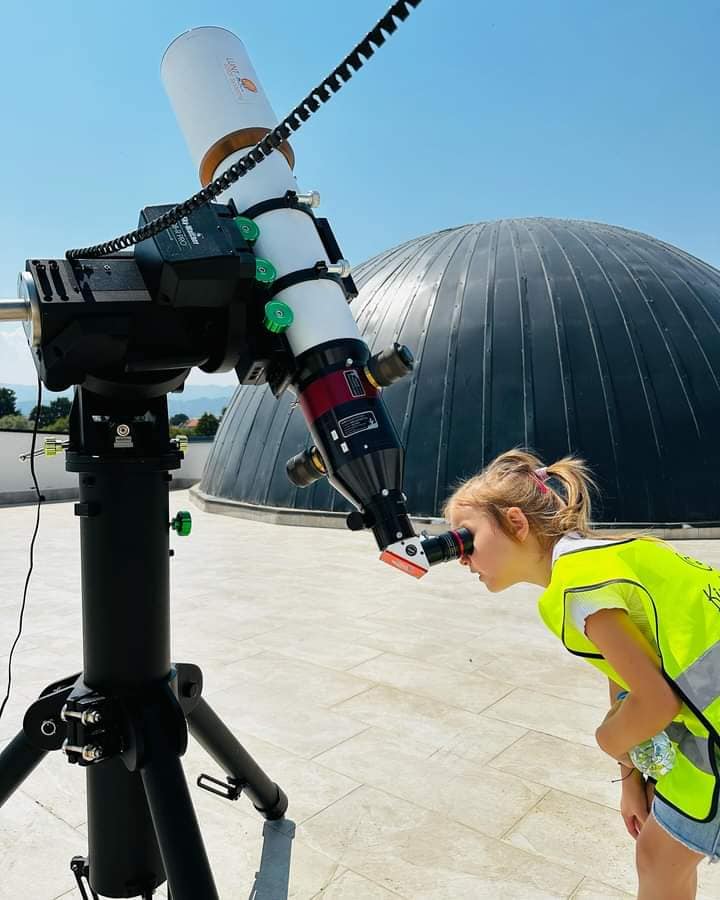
x=563, y=336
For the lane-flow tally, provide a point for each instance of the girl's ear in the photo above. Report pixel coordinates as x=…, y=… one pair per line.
x=518, y=522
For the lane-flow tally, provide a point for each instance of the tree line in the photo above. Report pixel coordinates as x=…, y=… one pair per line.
x=55, y=416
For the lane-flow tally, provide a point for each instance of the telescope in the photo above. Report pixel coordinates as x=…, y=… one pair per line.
x=254, y=283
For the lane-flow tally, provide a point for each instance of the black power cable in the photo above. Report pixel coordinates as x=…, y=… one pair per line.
x=340, y=75
x=40, y=499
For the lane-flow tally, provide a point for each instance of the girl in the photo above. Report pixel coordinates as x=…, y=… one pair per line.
x=646, y=616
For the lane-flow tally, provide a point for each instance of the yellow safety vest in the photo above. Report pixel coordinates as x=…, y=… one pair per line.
x=681, y=598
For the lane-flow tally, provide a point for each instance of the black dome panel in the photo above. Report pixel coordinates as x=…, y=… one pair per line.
x=564, y=336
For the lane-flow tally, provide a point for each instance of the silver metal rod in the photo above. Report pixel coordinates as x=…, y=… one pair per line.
x=14, y=311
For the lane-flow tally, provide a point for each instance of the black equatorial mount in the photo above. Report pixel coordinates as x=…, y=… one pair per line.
x=126, y=717
x=125, y=331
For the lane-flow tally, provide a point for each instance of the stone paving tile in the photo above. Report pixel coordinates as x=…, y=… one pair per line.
x=567, y=766
x=351, y=886
x=310, y=786
x=471, y=794
x=553, y=671
x=273, y=714
x=442, y=727
x=35, y=851
x=549, y=715
x=311, y=683
x=420, y=855
x=594, y=890
x=414, y=641
x=556, y=829
x=470, y=692
x=59, y=787
x=316, y=645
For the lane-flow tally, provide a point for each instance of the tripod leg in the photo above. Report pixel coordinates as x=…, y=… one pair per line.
x=177, y=830
x=212, y=733
x=17, y=761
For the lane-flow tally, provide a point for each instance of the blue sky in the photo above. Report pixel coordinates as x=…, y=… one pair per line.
x=606, y=111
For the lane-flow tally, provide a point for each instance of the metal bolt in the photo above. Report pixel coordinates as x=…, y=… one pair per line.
x=123, y=430
x=348, y=361
x=341, y=268
x=398, y=534
x=48, y=727
x=87, y=717
x=91, y=752
x=107, y=268
x=385, y=492
x=191, y=689
x=311, y=199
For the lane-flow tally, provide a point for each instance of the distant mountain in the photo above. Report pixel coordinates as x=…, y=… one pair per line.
x=193, y=401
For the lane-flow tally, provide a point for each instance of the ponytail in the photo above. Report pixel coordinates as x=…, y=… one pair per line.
x=555, y=498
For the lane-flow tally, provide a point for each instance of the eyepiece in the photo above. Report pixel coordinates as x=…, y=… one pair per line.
x=389, y=365
x=306, y=467
x=448, y=546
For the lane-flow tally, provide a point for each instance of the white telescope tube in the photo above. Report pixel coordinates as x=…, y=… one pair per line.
x=223, y=111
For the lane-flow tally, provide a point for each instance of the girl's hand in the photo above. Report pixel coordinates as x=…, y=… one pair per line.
x=635, y=803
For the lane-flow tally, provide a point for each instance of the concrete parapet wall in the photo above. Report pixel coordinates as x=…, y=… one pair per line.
x=16, y=485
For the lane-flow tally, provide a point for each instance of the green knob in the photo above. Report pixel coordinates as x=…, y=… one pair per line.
x=182, y=523
x=278, y=316
x=264, y=271
x=248, y=229
x=53, y=446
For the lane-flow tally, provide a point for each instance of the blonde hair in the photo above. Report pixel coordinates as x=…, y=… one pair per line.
x=517, y=478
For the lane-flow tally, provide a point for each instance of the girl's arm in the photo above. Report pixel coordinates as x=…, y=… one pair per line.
x=651, y=704
x=627, y=767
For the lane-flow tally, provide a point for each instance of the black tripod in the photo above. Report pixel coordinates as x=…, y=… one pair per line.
x=126, y=716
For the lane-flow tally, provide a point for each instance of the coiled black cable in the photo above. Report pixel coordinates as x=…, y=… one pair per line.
x=353, y=62
x=40, y=500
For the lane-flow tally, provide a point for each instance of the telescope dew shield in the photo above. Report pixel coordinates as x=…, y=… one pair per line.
x=220, y=104
x=216, y=94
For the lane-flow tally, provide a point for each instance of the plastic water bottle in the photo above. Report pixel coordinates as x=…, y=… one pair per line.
x=654, y=757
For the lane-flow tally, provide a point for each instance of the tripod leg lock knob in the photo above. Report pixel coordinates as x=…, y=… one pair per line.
x=230, y=789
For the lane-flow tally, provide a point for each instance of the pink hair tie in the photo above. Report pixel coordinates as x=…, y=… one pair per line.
x=540, y=476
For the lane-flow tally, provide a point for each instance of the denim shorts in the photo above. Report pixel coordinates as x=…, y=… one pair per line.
x=702, y=837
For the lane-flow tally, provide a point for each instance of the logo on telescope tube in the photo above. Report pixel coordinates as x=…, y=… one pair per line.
x=241, y=85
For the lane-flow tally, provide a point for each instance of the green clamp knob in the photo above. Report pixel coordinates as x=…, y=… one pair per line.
x=278, y=316
x=53, y=446
x=265, y=271
x=182, y=523
x=248, y=228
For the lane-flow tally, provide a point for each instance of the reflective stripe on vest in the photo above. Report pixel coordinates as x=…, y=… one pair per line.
x=701, y=680
x=696, y=749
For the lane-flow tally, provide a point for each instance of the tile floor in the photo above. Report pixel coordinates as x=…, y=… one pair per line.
x=434, y=740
